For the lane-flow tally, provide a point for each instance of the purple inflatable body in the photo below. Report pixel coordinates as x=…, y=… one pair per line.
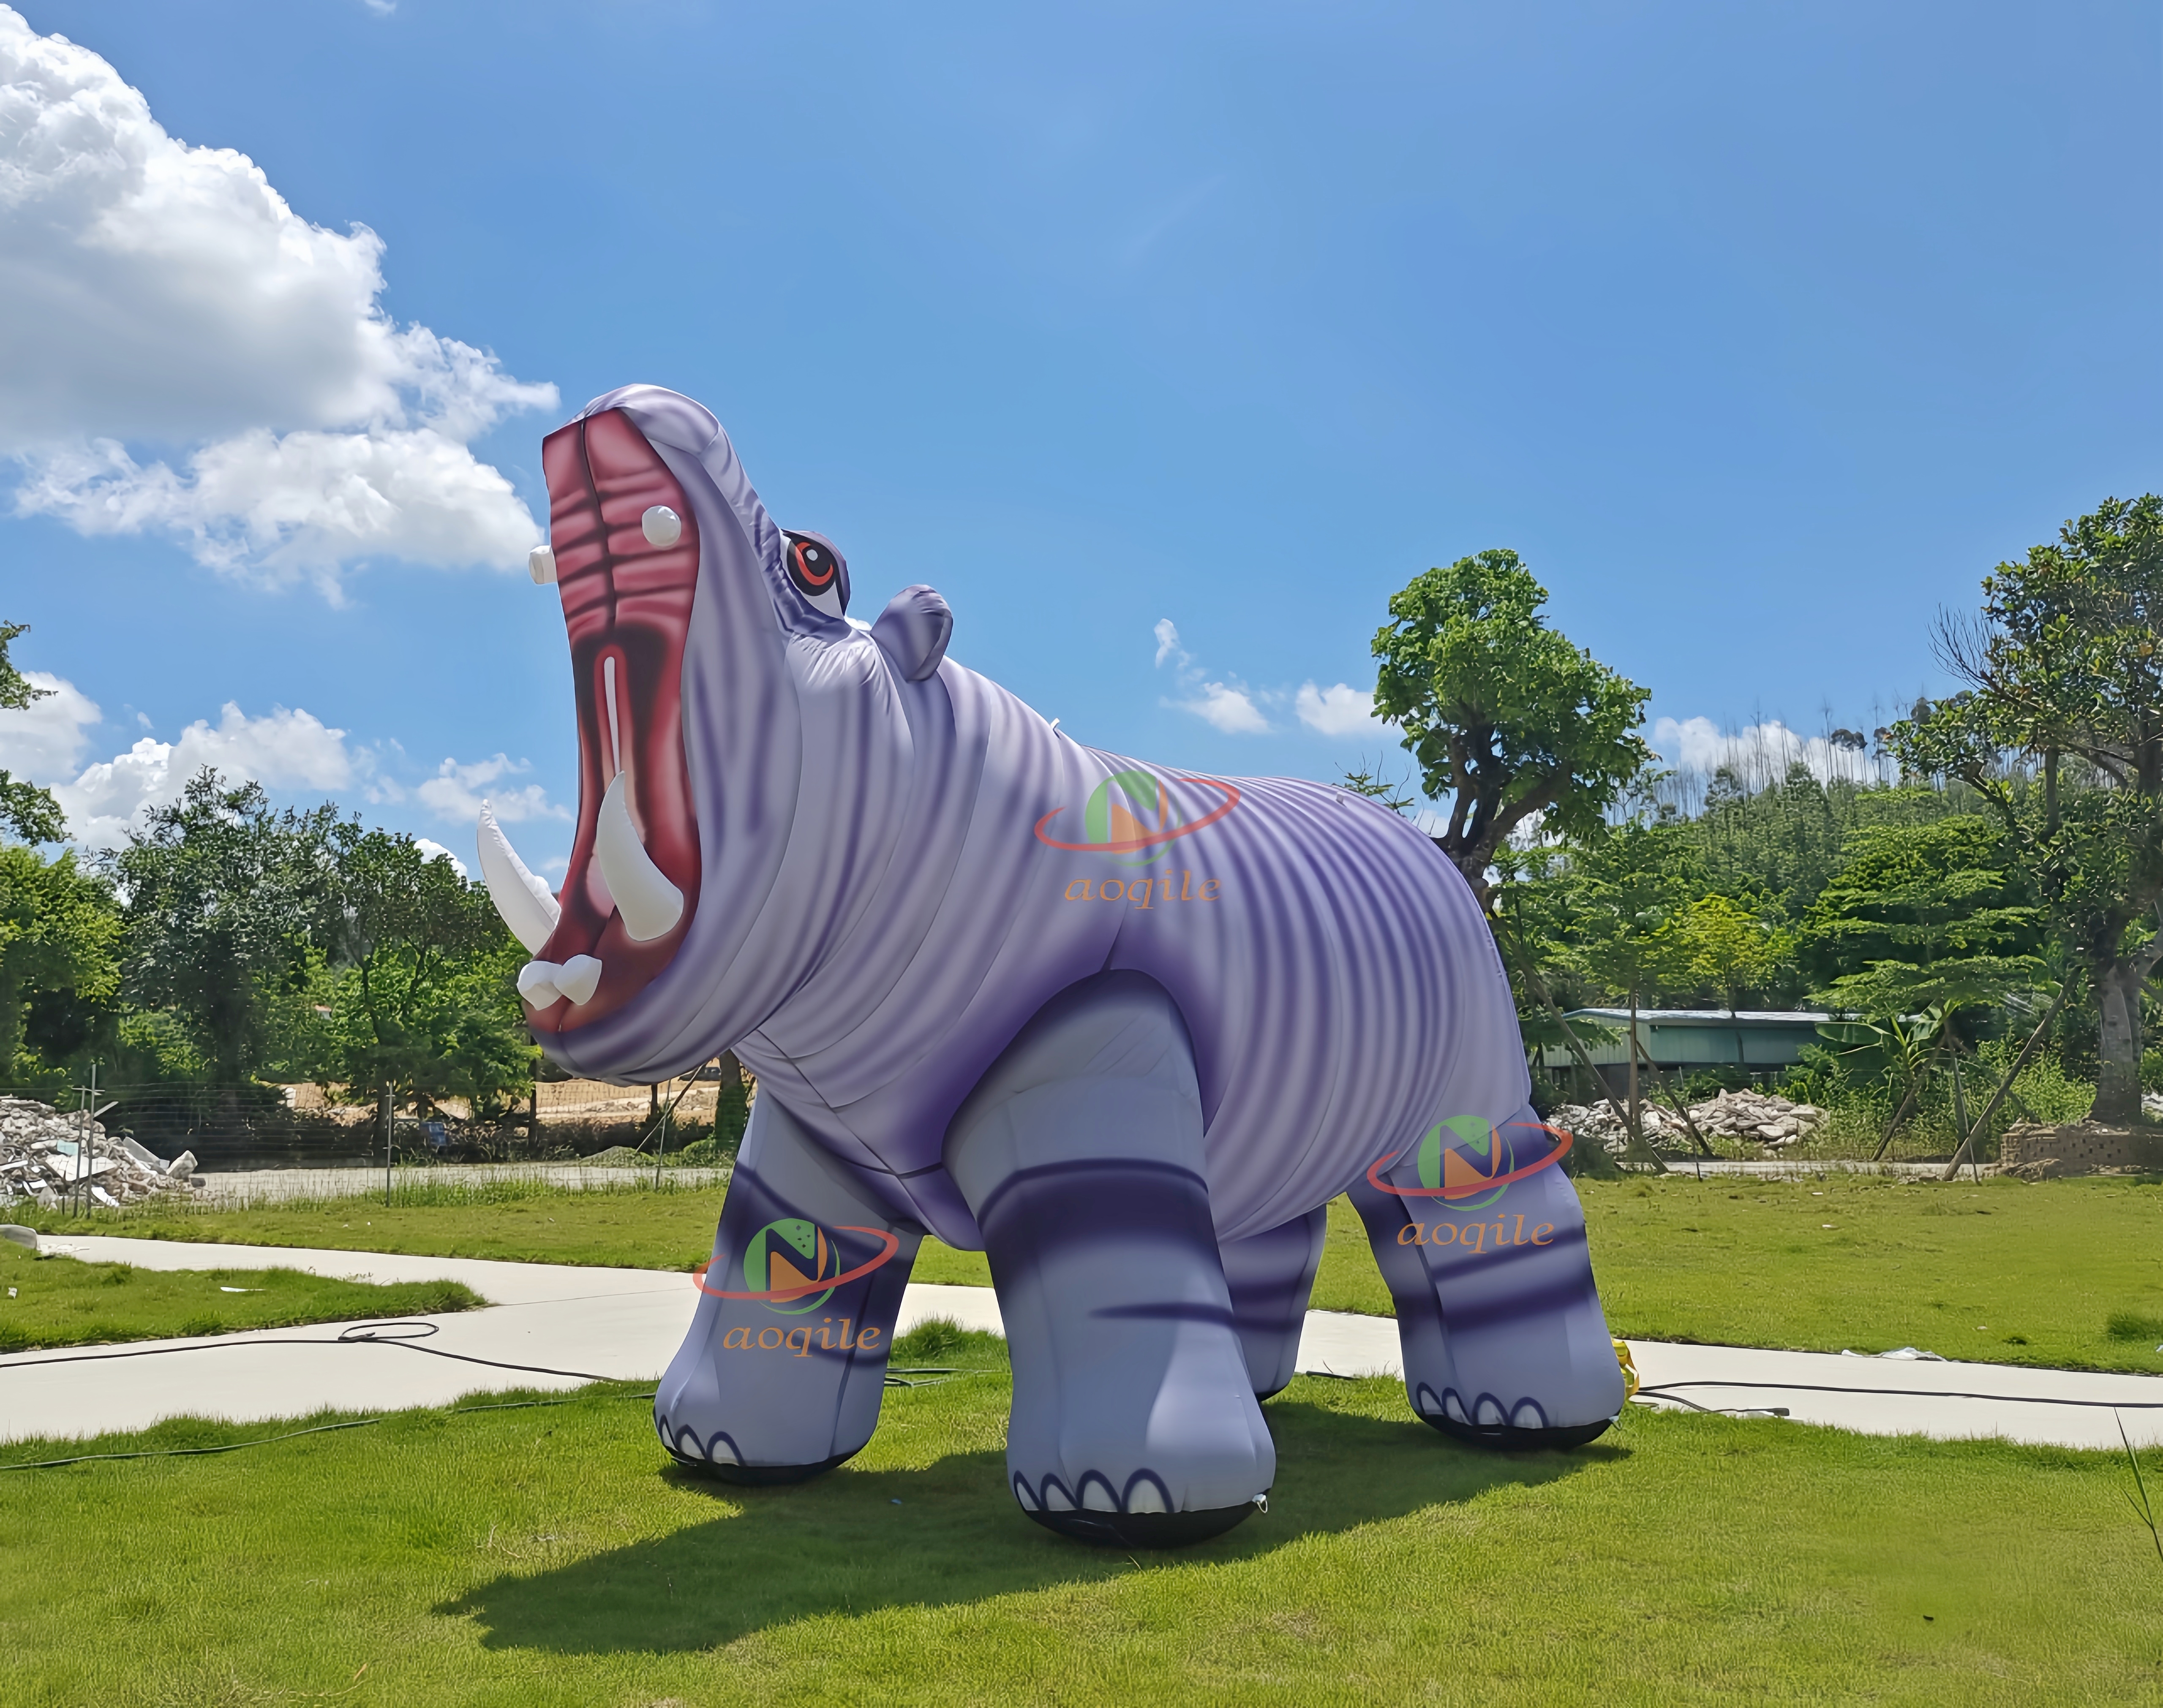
x=1125, y=1026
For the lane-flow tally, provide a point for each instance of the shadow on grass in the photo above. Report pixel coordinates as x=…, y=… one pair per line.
x=857, y=1542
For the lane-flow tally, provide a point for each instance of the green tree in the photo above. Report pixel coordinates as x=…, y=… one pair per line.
x=424, y=1002
x=1730, y=948
x=2065, y=688
x=1629, y=893
x=1506, y=717
x=60, y=936
x=1921, y=916
x=222, y=892
x=26, y=811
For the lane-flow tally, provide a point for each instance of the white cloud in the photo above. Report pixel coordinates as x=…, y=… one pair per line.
x=436, y=851
x=1230, y=708
x=1167, y=641
x=1229, y=705
x=151, y=291
x=1758, y=754
x=276, y=510
x=44, y=740
x=284, y=749
x=1342, y=710
x=456, y=791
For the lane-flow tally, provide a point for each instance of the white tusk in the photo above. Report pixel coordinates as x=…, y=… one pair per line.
x=662, y=526
x=649, y=904
x=522, y=899
x=580, y=975
x=541, y=982
x=541, y=565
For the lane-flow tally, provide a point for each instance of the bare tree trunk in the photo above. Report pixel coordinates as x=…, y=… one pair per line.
x=1665, y=1088
x=1576, y=1045
x=2118, y=1084
x=2005, y=1086
x=1637, y=1109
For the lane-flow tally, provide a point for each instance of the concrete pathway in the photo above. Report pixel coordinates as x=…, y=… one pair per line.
x=627, y=1323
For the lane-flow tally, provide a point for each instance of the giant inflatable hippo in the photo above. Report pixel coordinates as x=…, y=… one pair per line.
x=1125, y=1028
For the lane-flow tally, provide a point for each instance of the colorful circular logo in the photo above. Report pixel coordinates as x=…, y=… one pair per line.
x=793, y=1267
x=1469, y=1163
x=1136, y=813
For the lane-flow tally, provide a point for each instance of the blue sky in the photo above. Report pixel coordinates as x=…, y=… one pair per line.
x=1762, y=332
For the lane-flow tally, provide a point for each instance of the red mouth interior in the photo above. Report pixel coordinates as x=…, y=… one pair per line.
x=627, y=605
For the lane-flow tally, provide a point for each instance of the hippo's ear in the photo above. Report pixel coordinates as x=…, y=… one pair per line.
x=914, y=629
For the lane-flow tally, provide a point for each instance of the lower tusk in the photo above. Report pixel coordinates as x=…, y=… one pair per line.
x=522, y=899
x=537, y=983
x=541, y=565
x=580, y=975
x=542, y=982
x=647, y=902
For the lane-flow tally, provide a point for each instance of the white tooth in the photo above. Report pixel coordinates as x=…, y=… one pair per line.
x=537, y=982
x=649, y=904
x=578, y=977
x=541, y=565
x=662, y=526
x=522, y=899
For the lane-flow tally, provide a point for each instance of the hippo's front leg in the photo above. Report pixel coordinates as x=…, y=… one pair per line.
x=781, y=1375
x=1135, y=1421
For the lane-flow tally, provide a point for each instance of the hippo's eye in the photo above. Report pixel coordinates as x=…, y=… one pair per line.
x=818, y=572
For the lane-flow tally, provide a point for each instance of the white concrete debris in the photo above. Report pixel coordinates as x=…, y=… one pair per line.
x=1758, y=1116
x=43, y=1156
x=1595, y=1124
x=1771, y=1120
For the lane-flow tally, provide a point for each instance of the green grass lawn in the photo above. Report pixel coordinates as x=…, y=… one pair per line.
x=60, y=1302
x=631, y=1227
x=2066, y=1273
x=548, y=1556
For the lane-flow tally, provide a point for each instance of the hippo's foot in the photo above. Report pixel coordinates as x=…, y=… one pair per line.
x=1143, y=1530
x=757, y=1476
x=1509, y=1438
x=1134, y=1419
x=781, y=1375
x=1505, y=1345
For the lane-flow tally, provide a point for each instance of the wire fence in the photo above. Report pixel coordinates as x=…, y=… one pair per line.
x=256, y=1126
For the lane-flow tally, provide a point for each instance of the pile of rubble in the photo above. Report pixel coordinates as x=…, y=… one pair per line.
x=1758, y=1116
x=43, y=1160
x=1595, y=1124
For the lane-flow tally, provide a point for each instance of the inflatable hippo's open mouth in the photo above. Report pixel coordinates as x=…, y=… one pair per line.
x=625, y=557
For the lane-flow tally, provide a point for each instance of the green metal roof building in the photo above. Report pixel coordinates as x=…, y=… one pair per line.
x=1696, y=1037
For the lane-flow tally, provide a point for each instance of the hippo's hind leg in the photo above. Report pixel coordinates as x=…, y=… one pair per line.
x=1505, y=1344
x=1271, y=1275
x=1080, y=1153
x=781, y=1375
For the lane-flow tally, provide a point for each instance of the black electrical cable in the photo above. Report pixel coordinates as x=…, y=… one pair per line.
x=359, y=1334
x=289, y=1435
x=371, y=1334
